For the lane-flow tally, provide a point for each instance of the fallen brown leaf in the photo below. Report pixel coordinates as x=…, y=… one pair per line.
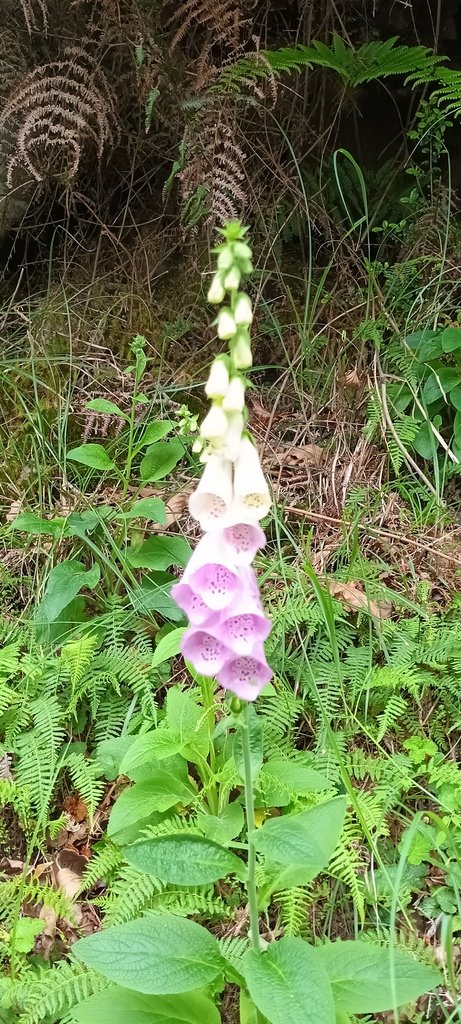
x=67, y=869
x=76, y=807
x=356, y=600
x=303, y=455
x=13, y=511
x=48, y=935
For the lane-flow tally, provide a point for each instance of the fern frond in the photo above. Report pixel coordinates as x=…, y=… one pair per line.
x=55, y=992
x=293, y=907
x=369, y=62
x=130, y=895
x=347, y=862
x=106, y=859
x=55, y=111
x=86, y=779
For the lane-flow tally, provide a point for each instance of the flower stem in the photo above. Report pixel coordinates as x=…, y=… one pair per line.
x=250, y=819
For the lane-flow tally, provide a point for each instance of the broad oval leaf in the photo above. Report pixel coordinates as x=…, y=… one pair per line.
x=29, y=522
x=107, y=408
x=168, y=647
x=156, y=955
x=160, y=459
x=93, y=455
x=441, y=381
x=154, y=431
x=153, y=509
x=151, y=746
x=365, y=979
x=122, y=1006
x=168, y=786
x=455, y=398
x=289, y=984
x=160, y=553
x=282, y=780
x=306, y=840
x=451, y=339
x=183, y=859
x=64, y=583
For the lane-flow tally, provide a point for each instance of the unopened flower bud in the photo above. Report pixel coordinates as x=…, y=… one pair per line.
x=233, y=438
x=242, y=251
x=218, y=381
x=243, y=313
x=234, y=400
x=215, y=424
x=225, y=259
x=232, y=279
x=226, y=324
x=216, y=290
x=241, y=351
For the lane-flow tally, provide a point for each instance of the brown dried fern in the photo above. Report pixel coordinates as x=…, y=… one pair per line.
x=35, y=14
x=215, y=163
x=54, y=113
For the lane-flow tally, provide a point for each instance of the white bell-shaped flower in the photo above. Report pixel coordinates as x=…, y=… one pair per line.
x=226, y=324
x=233, y=437
x=232, y=279
x=252, y=500
x=216, y=290
x=241, y=351
x=243, y=313
x=217, y=384
x=234, y=399
x=212, y=498
x=215, y=424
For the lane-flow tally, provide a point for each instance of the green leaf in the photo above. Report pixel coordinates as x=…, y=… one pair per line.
x=365, y=979
x=160, y=459
x=248, y=1011
x=289, y=984
x=168, y=786
x=425, y=442
x=282, y=779
x=29, y=522
x=186, y=719
x=183, y=859
x=157, y=955
x=80, y=523
x=110, y=754
x=160, y=553
x=455, y=398
x=256, y=745
x=122, y=1006
x=451, y=339
x=303, y=843
x=426, y=344
x=441, y=384
x=93, y=455
x=106, y=407
x=225, y=827
x=154, y=595
x=168, y=647
x=25, y=933
x=63, y=584
x=154, y=432
x=153, y=509
x=151, y=746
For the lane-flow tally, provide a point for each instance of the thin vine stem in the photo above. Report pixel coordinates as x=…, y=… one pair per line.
x=250, y=820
